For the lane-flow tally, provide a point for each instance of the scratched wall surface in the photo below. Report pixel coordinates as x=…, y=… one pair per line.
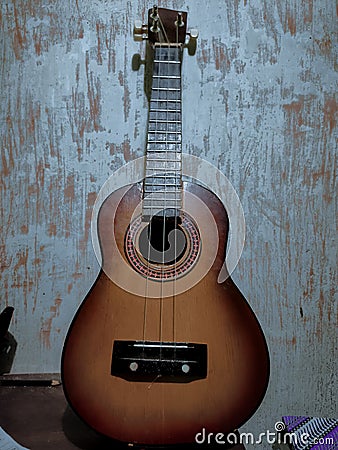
x=259, y=102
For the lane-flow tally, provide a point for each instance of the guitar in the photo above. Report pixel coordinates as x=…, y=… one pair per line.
x=178, y=351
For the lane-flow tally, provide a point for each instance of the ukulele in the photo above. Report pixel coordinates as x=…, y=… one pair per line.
x=177, y=352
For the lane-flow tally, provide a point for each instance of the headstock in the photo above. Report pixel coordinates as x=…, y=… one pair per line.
x=165, y=26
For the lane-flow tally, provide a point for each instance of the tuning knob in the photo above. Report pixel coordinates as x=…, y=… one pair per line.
x=193, y=33
x=140, y=30
x=192, y=41
x=179, y=22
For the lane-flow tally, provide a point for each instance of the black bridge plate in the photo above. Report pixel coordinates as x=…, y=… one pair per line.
x=170, y=362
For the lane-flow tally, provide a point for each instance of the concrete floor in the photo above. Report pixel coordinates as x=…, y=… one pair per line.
x=39, y=418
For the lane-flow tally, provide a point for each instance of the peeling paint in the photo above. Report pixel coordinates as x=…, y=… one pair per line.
x=259, y=101
x=330, y=113
x=46, y=327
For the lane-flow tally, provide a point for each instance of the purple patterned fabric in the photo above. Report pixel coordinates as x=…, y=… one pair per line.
x=311, y=433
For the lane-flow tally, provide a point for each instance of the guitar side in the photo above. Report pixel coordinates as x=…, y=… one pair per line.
x=155, y=412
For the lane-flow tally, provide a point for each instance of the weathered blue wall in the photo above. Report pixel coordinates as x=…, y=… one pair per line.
x=259, y=102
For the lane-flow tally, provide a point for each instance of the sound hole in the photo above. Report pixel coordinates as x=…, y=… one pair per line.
x=187, y=247
x=162, y=241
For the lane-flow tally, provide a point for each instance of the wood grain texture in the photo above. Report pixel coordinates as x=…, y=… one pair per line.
x=206, y=312
x=259, y=101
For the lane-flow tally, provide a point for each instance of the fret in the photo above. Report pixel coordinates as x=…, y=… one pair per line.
x=163, y=155
x=164, y=121
x=148, y=201
x=163, y=147
x=158, y=170
x=166, y=159
x=153, y=190
x=168, y=147
x=169, y=195
x=150, y=188
x=173, y=100
x=162, y=186
x=161, y=132
x=169, y=170
x=168, y=77
x=152, y=209
x=165, y=89
x=148, y=213
x=165, y=105
x=162, y=164
x=165, y=141
x=172, y=178
x=165, y=152
x=176, y=196
x=165, y=61
x=168, y=70
x=161, y=114
x=157, y=189
x=158, y=105
x=165, y=110
x=164, y=126
x=163, y=138
x=167, y=82
x=165, y=115
x=166, y=185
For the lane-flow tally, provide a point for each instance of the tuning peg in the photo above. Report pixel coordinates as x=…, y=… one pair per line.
x=179, y=22
x=193, y=33
x=192, y=42
x=140, y=30
x=154, y=13
x=154, y=28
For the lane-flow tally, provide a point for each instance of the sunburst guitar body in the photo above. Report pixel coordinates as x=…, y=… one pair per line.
x=159, y=349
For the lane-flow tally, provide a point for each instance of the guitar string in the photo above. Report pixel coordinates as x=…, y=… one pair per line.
x=162, y=52
x=159, y=205
x=145, y=208
x=153, y=190
x=177, y=149
x=165, y=101
x=166, y=145
x=172, y=173
x=165, y=193
x=171, y=55
x=153, y=187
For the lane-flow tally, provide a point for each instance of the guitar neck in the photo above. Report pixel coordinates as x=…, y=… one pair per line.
x=163, y=181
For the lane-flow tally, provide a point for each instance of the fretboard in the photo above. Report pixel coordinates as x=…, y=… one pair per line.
x=163, y=180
